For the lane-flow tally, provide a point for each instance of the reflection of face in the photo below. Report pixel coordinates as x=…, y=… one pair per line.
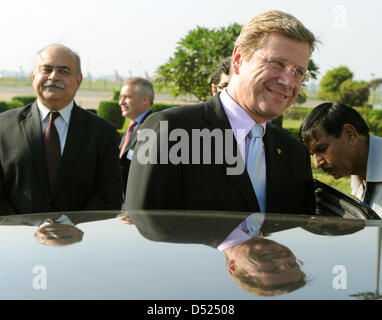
x=271, y=263
x=132, y=103
x=263, y=93
x=60, y=67
x=58, y=234
x=334, y=155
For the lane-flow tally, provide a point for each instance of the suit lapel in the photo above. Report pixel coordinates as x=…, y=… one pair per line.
x=77, y=131
x=133, y=137
x=215, y=114
x=32, y=130
x=275, y=155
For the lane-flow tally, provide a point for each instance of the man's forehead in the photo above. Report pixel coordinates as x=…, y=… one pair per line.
x=55, y=56
x=318, y=136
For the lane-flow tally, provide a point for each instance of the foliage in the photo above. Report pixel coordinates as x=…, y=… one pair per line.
x=111, y=111
x=161, y=106
x=3, y=106
x=296, y=113
x=313, y=71
x=374, y=121
x=15, y=104
x=354, y=93
x=115, y=94
x=331, y=82
x=195, y=58
x=25, y=99
x=338, y=86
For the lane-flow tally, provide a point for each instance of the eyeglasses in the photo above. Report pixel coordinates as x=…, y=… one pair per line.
x=278, y=66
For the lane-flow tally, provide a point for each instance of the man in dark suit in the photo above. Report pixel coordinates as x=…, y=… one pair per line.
x=269, y=64
x=136, y=100
x=55, y=156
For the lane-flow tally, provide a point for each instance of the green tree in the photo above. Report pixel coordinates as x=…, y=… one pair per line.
x=331, y=82
x=190, y=69
x=354, y=93
x=194, y=60
x=374, y=85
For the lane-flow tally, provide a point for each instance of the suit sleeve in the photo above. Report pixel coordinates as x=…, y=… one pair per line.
x=152, y=183
x=5, y=207
x=310, y=198
x=108, y=186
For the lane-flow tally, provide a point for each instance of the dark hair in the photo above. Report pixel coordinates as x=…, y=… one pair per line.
x=223, y=67
x=332, y=117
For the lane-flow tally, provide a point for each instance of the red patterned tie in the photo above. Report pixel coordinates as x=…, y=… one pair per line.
x=52, y=149
x=128, y=134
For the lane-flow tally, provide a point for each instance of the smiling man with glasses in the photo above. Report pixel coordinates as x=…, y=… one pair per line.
x=268, y=66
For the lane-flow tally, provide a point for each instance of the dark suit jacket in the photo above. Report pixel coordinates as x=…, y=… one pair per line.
x=208, y=187
x=37, y=218
x=89, y=175
x=125, y=162
x=212, y=227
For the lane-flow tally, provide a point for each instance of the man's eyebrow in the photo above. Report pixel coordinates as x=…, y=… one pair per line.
x=51, y=66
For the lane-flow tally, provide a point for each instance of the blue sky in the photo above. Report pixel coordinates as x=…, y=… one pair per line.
x=138, y=36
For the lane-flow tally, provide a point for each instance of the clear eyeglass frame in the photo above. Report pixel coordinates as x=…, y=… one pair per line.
x=281, y=67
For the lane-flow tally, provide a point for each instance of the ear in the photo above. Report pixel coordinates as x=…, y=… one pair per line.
x=350, y=134
x=232, y=267
x=79, y=79
x=213, y=89
x=236, y=60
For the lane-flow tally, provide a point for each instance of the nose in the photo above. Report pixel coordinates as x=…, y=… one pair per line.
x=287, y=79
x=54, y=74
x=318, y=161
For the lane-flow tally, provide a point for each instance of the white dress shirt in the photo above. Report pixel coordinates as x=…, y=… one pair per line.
x=61, y=123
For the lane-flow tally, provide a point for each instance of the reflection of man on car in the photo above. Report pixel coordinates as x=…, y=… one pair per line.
x=258, y=265
x=57, y=229
x=59, y=232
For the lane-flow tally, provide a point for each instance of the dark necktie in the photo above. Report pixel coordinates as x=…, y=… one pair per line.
x=52, y=149
x=127, y=137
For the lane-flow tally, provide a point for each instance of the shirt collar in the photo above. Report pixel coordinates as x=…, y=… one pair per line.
x=141, y=116
x=374, y=172
x=62, y=219
x=237, y=116
x=64, y=112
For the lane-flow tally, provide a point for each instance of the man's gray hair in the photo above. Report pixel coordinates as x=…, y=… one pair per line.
x=68, y=50
x=144, y=86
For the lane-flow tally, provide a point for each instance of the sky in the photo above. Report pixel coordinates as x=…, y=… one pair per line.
x=134, y=37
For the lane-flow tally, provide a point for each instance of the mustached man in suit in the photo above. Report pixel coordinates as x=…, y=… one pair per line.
x=268, y=67
x=136, y=100
x=55, y=156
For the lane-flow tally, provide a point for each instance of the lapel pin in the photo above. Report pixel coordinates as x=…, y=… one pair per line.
x=278, y=150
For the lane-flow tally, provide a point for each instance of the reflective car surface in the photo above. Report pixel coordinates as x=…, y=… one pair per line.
x=180, y=255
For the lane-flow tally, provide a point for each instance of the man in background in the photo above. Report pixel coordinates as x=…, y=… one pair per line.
x=136, y=100
x=339, y=140
x=220, y=77
x=56, y=156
